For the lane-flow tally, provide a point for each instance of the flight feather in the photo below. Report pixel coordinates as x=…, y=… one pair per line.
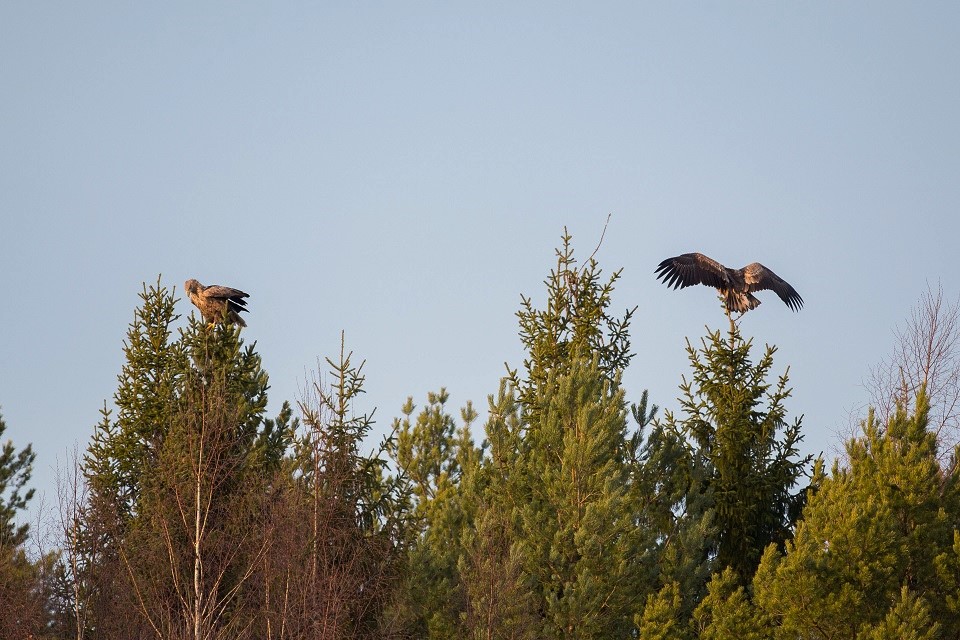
x=736, y=286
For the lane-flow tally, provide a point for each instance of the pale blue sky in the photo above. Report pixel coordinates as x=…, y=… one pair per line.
x=403, y=171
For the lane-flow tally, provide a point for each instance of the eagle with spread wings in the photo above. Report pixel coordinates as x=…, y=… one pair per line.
x=736, y=286
x=217, y=303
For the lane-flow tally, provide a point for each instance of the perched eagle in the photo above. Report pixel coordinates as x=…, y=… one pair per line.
x=217, y=303
x=736, y=286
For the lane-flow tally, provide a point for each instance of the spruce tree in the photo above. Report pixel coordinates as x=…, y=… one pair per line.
x=676, y=508
x=577, y=533
x=189, y=436
x=567, y=463
x=735, y=429
x=575, y=321
x=205, y=495
x=333, y=559
x=535, y=533
x=124, y=448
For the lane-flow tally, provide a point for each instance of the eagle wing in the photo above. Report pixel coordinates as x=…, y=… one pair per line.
x=226, y=293
x=692, y=268
x=758, y=277
x=220, y=291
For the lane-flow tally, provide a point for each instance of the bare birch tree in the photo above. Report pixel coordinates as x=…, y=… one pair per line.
x=75, y=560
x=926, y=353
x=189, y=565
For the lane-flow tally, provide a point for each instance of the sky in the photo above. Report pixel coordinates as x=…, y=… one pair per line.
x=402, y=172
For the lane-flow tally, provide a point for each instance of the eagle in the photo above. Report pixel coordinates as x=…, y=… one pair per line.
x=217, y=303
x=736, y=286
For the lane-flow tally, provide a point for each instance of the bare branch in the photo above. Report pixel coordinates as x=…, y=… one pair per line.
x=926, y=354
x=602, y=234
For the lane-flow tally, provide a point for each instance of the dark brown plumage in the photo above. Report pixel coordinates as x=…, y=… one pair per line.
x=217, y=303
x=736, y=286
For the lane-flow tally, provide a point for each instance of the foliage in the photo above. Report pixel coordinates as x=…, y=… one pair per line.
x=577, y=515
x=662, y=618
x=574, y=321
x=727, y=612
x=564, y=464
x=23, y=584
x=749, y=451
x=574, y=503
x=15, y=470
x=876, y=540
x=433, y=456
x=124, y=449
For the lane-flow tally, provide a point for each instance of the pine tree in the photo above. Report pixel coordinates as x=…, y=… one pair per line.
x=432, y=455
x=876, y=540
x=22, y=588
x=501, y=597
x=15, y=470
x=727, y=612
x=909, y=619
x=662, y=617
x=500, y=602
x=748, y=450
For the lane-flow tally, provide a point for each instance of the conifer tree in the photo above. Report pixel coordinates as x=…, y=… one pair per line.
x=501, y=597
x=577, y=533
x=205, y=494
x=433, y=455
x=124, y=448
x=662, y=617
x=189, y=437
x=500, y=601
x=534, y=534
x=575, y=320
x=676, y=508
x=569, y=464
x=15, y=470
x=874, y=551
x=727, y=612
x=333, y=558
x=22, y=589
x=909, y=619
x=748, y=450
x=121, y=457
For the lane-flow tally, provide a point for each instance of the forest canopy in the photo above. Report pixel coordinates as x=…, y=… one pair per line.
x=572, y=509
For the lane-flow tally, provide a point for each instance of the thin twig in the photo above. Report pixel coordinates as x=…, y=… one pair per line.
x=603, y=233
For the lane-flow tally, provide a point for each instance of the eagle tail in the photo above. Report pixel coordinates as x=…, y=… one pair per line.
x=740, y=302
